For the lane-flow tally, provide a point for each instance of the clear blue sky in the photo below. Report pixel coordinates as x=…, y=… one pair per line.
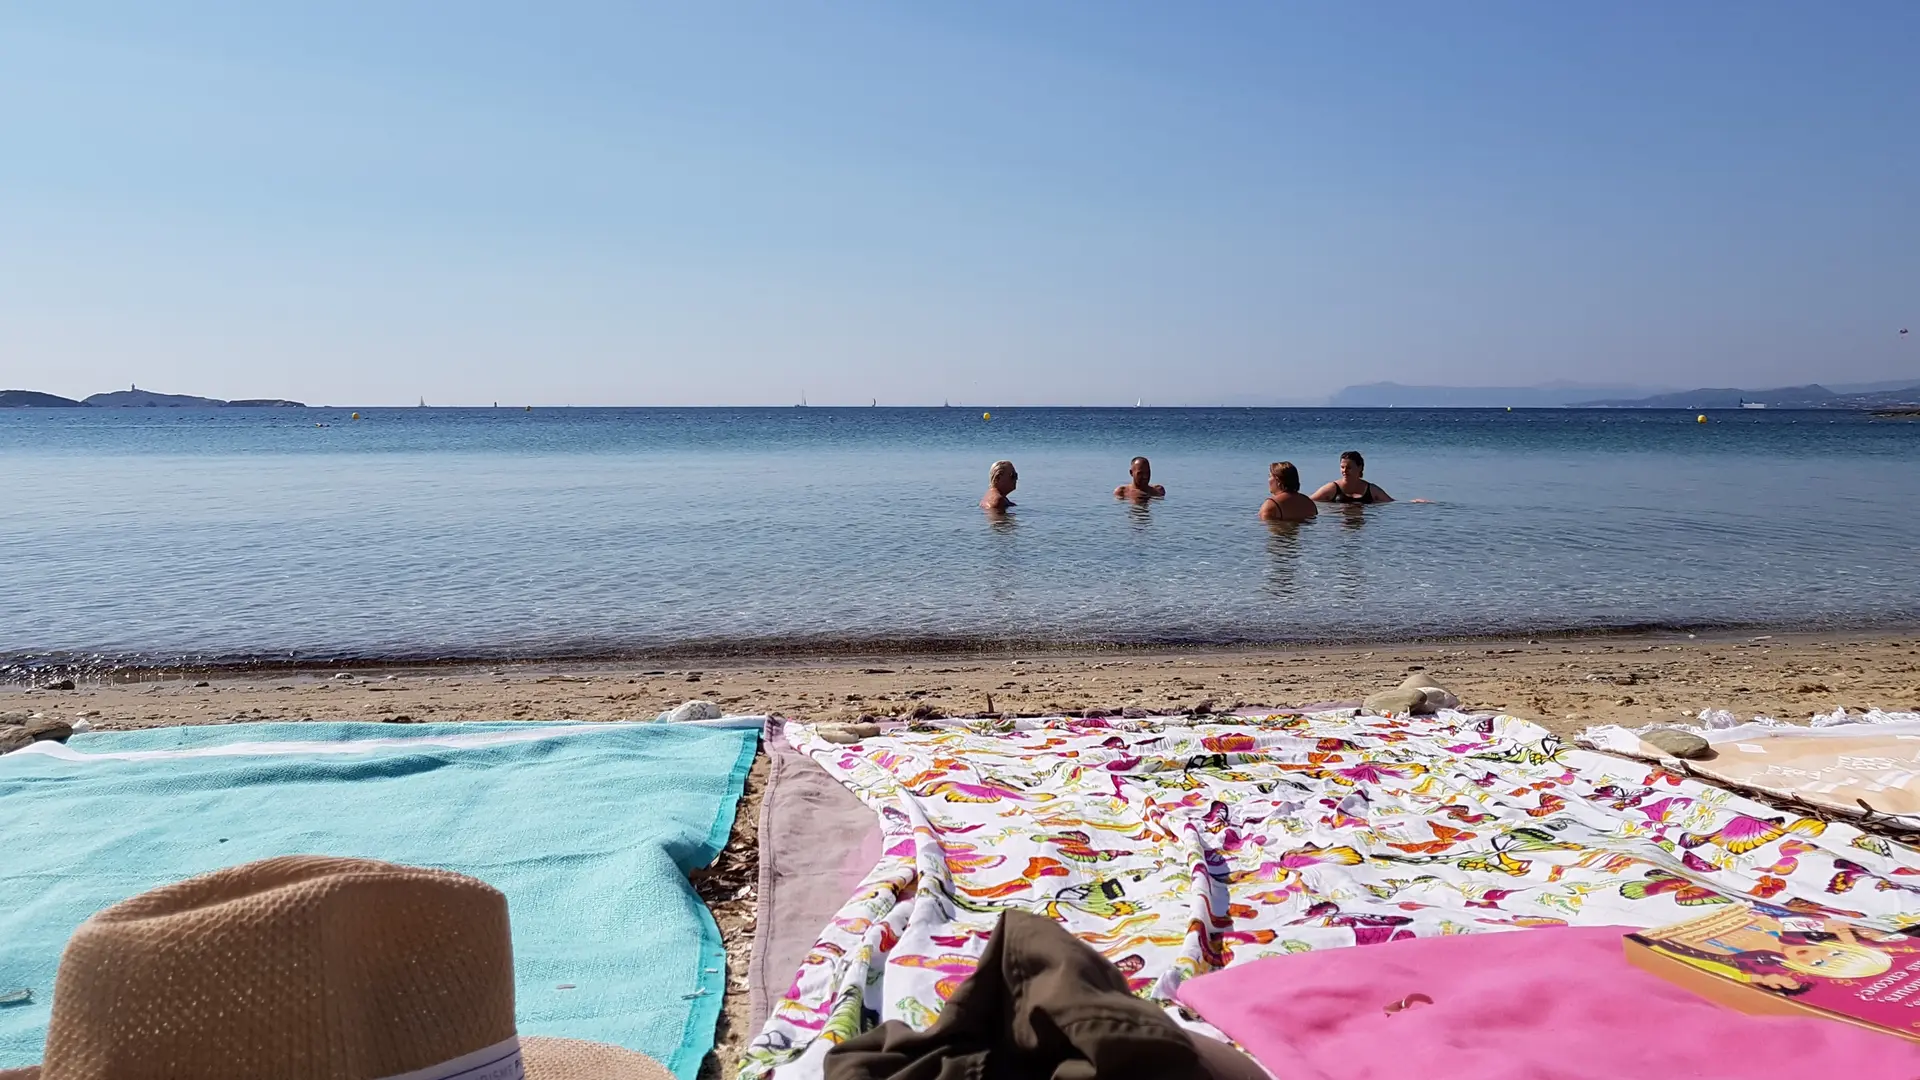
x=992, y=202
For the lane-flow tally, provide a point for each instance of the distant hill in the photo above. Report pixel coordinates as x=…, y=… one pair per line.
x=34, y=399
x=1553, y=395
x=1811, y=396
x=1872, y=387
x=147, y=399
x=1907, y=396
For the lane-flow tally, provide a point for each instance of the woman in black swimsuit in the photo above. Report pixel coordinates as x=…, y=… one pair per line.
x=1352, y=487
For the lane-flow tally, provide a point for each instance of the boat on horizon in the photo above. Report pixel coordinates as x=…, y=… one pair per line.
x=1745, y=404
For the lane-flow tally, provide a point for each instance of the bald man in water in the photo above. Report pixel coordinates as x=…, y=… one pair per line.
x=1140, y=486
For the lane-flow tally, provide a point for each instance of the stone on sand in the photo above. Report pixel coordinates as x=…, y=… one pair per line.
x=1435, y=697
x=691, y=710
x=1673, y=742
x=1418, y=695
x=15, y=736
x=1400, y=702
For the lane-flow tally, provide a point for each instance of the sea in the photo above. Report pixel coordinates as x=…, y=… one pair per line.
x=160, y=538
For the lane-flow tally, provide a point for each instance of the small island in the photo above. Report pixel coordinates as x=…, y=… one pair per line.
x=34, y=399
x=135, y=398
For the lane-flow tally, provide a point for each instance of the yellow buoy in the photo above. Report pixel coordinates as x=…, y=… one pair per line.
x=1701, y=419
x=986, y=416
x=1509, y=408
x=356, y=416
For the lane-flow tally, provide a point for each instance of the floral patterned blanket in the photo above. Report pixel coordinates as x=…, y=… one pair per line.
x=1176, y=847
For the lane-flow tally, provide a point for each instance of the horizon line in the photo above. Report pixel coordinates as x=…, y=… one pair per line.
x=522, y=407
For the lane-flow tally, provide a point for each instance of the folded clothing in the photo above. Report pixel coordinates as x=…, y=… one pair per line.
x=1042, y=1005
x=1545, y=1004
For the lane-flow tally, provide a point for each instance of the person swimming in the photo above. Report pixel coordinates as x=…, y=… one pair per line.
x=1140, y=486
x=1352, y=487
x=1285, y=503
x=1001, y=480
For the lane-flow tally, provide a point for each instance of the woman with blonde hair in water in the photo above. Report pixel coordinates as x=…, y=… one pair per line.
x=1001, y=480
x=1285, y=503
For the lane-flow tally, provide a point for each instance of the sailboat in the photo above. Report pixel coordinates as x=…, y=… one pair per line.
x=423, y=403
x=1136, y=402
x=874, y=404
x=803, y=400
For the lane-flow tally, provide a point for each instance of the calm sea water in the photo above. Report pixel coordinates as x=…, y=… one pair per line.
x=162, y=536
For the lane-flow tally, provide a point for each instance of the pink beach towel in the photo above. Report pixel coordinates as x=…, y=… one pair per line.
x=1548, y=1004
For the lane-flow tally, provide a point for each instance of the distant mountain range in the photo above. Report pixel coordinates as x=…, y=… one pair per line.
x=1811, y=396
x=1370, y=396
x=1873, y=387
x=1574, y=395
x=1383, y=395
x=134, y=399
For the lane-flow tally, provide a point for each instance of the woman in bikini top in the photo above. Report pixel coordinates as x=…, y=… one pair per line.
x=1352, y=487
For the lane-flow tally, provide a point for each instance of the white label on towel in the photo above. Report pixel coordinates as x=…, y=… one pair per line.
x=1868, y=764
x=1749, y=748
x=501, y=1061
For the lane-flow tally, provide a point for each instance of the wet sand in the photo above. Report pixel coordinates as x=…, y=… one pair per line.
x=1563, y=684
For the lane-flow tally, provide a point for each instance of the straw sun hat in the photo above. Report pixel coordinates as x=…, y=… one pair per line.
x=305, y=968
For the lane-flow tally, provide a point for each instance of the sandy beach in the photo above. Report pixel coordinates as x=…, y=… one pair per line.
x=1563, y=684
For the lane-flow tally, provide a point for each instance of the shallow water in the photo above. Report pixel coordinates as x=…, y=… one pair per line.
x=161, y=536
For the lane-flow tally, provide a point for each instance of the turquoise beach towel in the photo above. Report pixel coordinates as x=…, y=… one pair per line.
x=589, y=830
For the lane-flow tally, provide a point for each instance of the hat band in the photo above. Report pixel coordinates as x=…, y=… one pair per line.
x=501, y=1061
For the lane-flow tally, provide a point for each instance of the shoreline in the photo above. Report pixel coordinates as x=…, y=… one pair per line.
x=26, y=669
x=1637, y=678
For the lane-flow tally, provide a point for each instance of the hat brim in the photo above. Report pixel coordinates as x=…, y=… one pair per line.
x=543, y=1059
x=577, y=1059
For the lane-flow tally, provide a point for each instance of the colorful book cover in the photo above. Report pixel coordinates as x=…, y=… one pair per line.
x=1775, y=962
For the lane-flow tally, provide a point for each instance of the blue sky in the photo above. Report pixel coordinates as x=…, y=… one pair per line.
x=629, y=203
